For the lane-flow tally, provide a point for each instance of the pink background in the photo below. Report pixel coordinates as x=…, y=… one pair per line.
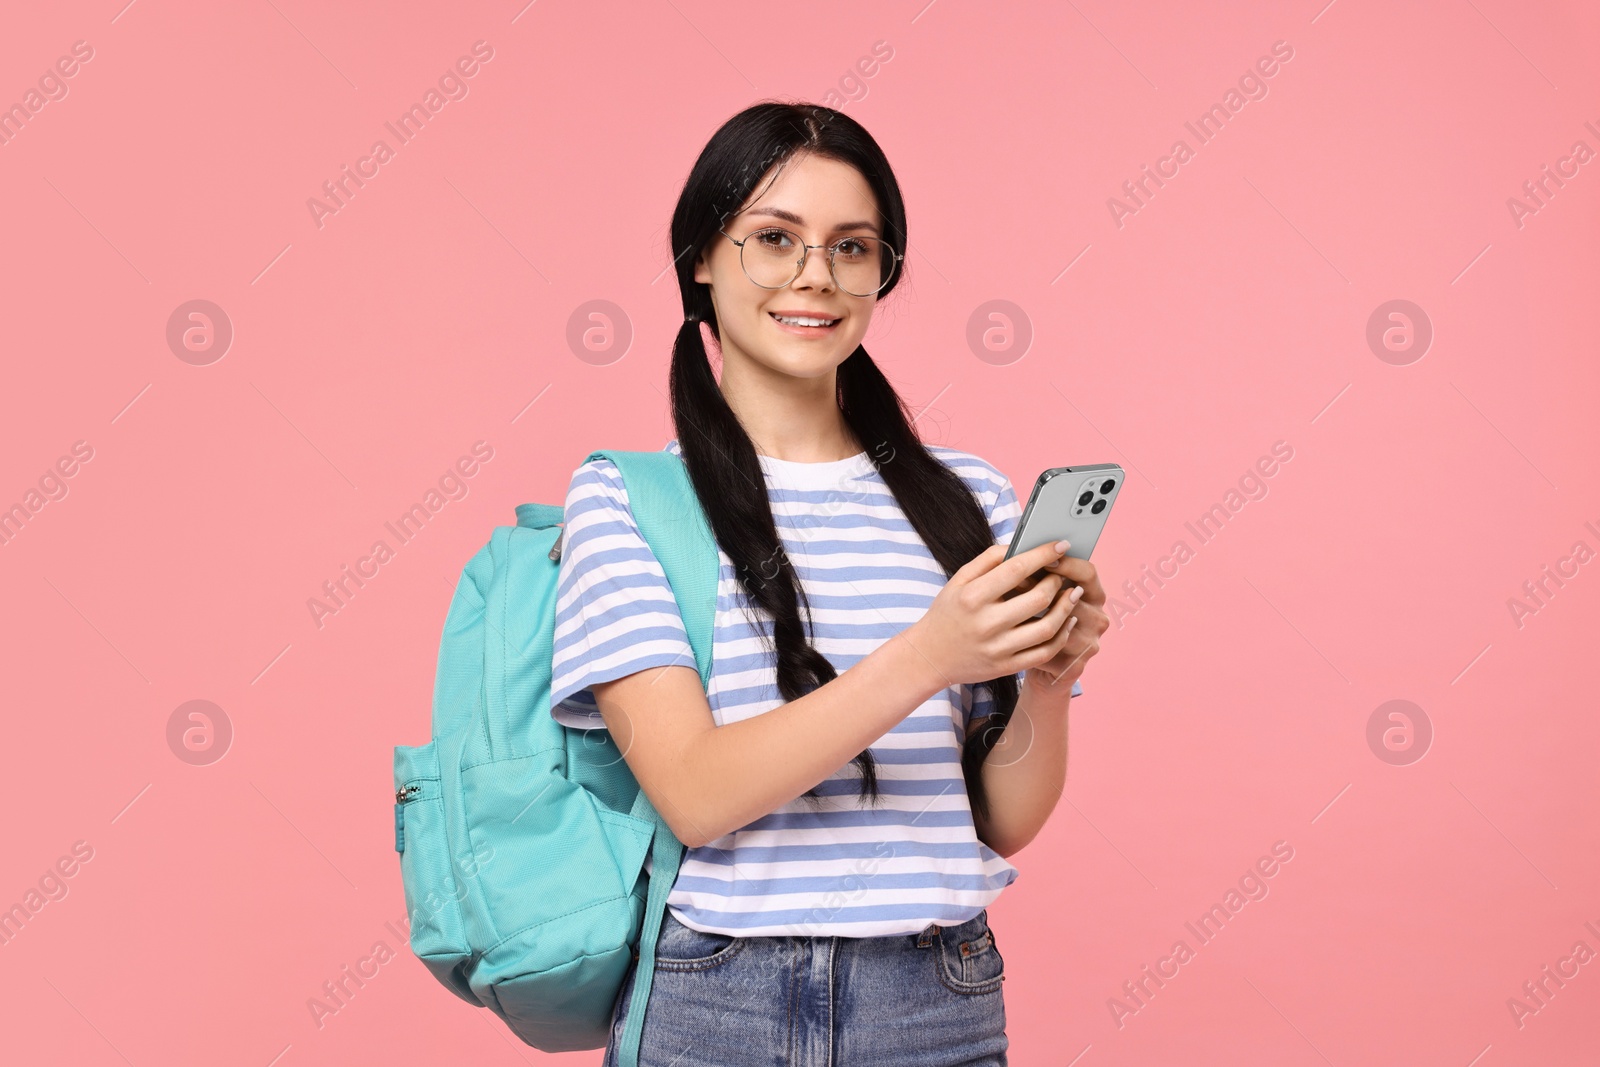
x=1229, y=312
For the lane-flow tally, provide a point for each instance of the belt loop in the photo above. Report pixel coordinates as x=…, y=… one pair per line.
x=925, y=938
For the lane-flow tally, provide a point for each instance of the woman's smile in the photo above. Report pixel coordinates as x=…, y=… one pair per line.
x=805, y=324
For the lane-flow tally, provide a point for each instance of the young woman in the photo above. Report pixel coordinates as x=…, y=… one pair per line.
x=851, y=781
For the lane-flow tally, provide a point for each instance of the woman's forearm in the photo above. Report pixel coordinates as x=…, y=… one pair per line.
x=735, y=774
x=1026, y=771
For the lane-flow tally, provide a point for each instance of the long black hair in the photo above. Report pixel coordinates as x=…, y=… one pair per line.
x=720, y=457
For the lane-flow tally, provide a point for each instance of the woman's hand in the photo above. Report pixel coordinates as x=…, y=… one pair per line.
x=1086, y=622
x=980, y=626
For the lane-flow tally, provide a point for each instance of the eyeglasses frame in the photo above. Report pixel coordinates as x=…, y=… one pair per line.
x=805, y=251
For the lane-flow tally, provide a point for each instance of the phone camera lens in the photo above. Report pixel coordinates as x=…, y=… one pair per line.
x=1108, y=485
x=1099, y=506
x=1084, y=497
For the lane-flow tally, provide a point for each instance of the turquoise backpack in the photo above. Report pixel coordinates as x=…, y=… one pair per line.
x=522, y=841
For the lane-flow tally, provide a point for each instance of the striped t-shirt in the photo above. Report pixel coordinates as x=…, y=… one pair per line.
x=841, y=867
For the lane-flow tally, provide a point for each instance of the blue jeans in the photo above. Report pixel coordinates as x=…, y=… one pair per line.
x=931, y=999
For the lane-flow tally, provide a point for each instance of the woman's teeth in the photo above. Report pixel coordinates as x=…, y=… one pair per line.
x=805, y=321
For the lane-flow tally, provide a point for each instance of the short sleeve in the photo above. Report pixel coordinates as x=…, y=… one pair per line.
x=1004, y=511
x=615, y=611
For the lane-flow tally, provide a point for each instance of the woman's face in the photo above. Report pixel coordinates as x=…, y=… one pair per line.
x=821, y=200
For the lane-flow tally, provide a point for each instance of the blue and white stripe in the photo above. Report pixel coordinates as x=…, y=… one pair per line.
x=838, y=867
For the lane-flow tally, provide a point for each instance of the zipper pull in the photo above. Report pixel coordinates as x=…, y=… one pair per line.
x=401, y=795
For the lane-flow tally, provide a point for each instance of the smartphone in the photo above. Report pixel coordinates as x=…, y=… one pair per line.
x=1067, y=504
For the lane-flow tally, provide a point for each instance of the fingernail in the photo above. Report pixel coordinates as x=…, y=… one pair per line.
x=1062, y=546
x=1075, y=594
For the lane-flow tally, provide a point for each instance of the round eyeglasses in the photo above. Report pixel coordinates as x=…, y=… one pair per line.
x=773, y=257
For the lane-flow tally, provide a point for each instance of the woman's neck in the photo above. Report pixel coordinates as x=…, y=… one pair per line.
x=795, y=421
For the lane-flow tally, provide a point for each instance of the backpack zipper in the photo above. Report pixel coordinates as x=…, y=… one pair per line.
x=401, y=795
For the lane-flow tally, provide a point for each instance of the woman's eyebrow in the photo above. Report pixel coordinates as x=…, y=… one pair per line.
x=789, y=216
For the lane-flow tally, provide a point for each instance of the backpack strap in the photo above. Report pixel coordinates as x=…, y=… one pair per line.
x=675, y=527
x=670, y=518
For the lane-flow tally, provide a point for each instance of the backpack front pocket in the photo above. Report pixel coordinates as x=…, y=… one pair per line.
x=559, y=888
x=554, y=849
x=428, y=868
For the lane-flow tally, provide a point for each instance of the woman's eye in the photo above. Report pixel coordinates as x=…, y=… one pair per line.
x=773, y=239
x=852, y=247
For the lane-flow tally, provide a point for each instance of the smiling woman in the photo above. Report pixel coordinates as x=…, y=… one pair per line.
x=808, y=274
x=822, y=776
